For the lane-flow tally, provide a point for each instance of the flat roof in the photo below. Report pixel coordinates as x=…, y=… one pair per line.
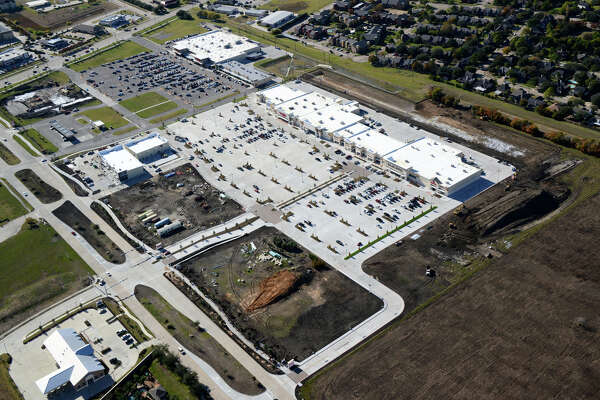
x=433, y=160
x=352, y=130
x=280, y=93
x=332, y=118
x=246, y=72
x=146, y=143
x=11, y=54
x=120, y=159
x=217, y=46
x=305, y=104
x=376, y=142
x=275, y=17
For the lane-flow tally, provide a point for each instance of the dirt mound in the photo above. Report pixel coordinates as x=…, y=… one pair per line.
x=516, y=208
x=272, y=288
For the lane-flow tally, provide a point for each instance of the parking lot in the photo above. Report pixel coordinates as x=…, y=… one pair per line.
x=101, y=335
x=175, y=77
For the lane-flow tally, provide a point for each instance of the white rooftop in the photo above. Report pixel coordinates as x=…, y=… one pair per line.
x=217, y=46
x=275, y=17
x=120, y=159
x=280, y=94
x=146, y=143
x=376, y=142
x=332, y=118
x=352, y=130
x=433, y=160
x=305, y=104
x=74, y=357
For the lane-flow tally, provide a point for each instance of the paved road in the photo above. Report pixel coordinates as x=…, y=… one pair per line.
x=138, y=269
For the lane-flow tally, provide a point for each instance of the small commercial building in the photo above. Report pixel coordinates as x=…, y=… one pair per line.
x=277, y=19
x=122, y=162
x=254, y=12
x=245, y=72
x=14, y=58
x=149, y=147
x=95, y=30
x=225, y=9
x=77, y=365
x=115, y=21
x=215, y=47
x=55, y=43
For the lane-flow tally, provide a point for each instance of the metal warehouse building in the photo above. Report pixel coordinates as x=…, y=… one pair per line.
x=148, y=147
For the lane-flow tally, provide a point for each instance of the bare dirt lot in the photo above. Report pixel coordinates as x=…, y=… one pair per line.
x=195, y=202
x=60, y=17
x=289, y=302
x=43, y=191
x=525, y=326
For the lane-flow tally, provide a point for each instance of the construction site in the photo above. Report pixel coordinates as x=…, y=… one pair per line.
x=171, y=206
x=284, y=299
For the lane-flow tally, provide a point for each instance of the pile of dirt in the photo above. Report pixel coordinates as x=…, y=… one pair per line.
x=516, y=208
x=272, y=288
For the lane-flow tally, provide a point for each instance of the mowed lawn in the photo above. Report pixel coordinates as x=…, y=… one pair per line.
x=297, y=6
x=143, y=101
x=39, y=141
x=158, y=109
x=10, y=207
x=37, y=267
x=178, y=28
x=123, y=50
x=171, y=382
x=111, y=118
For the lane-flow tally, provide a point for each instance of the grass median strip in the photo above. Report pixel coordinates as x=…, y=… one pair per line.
x=157, y=109
x=24, y=145
x=379, y=238
x=8, y=388
x=132, y=327
x=39, y=141
x=8, y=156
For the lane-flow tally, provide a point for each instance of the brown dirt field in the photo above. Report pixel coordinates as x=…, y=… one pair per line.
x=72, y=216
x=196, y=203
x=525, y=326
x=43, y=191
x=365, y=94
x=321, y=306
x=60, y=17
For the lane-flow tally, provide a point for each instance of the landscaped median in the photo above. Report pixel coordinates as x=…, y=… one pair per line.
x=396, y=229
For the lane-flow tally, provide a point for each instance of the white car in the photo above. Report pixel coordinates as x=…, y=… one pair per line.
x=181, y=350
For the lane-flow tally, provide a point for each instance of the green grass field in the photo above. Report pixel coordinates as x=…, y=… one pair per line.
x=48, y=269
x=297, y=6
x=142, y=101
x=171, y=382
x=168, y=116
x=111, y=118
x=177, y=28
x=158, y=109
x=28, y=148
x=39, y=141
x=8, y=389
x=10, y=207
x=8, y=156
x=123, y=50
x=17, y=194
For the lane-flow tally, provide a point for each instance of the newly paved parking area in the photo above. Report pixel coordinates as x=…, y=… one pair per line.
x=172, y=76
